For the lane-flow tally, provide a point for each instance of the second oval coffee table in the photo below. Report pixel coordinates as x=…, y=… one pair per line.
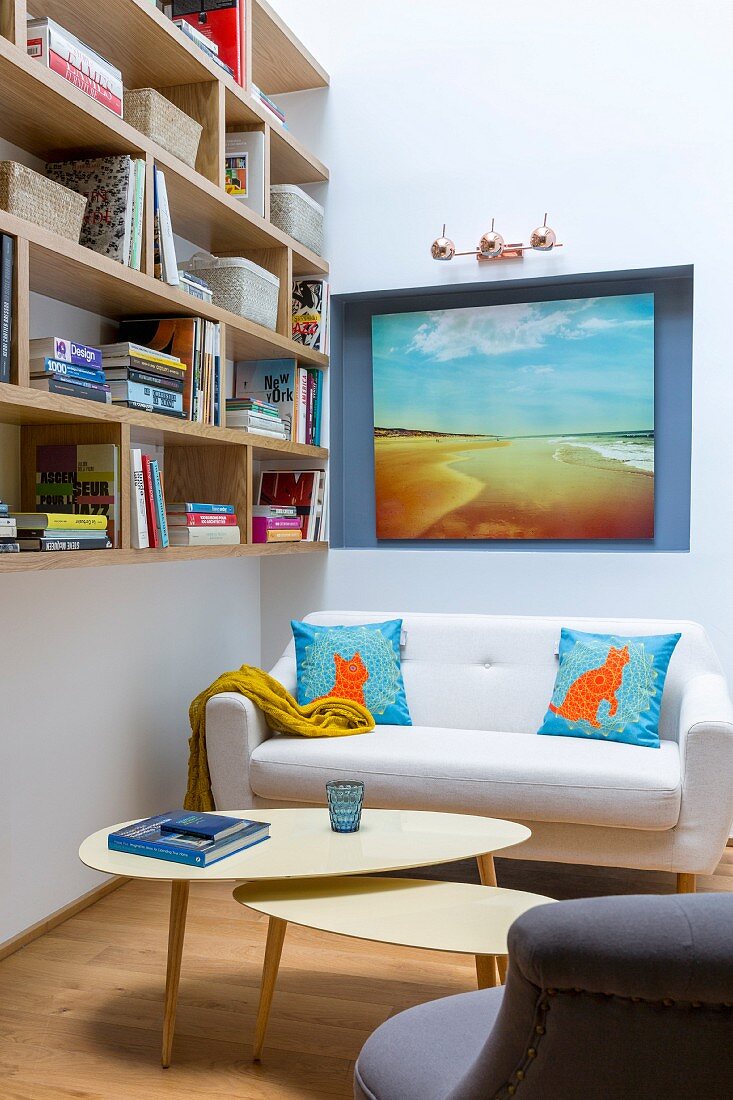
x=302, y=845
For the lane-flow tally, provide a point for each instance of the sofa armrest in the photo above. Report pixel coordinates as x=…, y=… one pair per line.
x=234, y=729
x=705, y=738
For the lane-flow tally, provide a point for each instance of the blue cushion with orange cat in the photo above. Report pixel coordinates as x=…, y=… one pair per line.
x=609, y=687
x=353, y=662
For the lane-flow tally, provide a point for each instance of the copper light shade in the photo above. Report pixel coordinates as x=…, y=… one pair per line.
x=492, y=245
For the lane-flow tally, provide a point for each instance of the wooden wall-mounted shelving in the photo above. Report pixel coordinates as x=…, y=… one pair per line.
x=47, y=116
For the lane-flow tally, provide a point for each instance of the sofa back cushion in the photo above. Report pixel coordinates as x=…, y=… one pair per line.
x=497, y=672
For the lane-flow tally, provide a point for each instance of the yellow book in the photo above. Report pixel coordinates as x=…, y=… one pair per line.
x=58, y=521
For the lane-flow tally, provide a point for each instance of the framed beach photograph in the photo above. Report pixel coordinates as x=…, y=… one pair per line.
x=520, y=421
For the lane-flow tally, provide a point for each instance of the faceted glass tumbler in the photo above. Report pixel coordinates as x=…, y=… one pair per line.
x=344, y=805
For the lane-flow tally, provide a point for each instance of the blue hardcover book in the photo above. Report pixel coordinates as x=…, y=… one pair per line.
x=317, y=405
x=146, y=838
x=188, y=506
x=207, y=826
x=159, y=502
x=68, y=370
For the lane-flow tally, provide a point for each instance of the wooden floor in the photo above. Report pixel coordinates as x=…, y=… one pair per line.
x=81, y=1008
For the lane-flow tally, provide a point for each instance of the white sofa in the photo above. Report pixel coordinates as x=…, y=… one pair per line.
x=478, y=687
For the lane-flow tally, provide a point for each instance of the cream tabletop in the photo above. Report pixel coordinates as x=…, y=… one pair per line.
x=440, y=916
x=302, y=845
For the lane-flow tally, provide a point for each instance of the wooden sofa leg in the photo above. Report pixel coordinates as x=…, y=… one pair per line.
x=686, y=883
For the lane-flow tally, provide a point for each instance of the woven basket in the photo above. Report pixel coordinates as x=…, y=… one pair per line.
x=298, y=215
x=26, y=194
x=239, y=286
x=152, y=114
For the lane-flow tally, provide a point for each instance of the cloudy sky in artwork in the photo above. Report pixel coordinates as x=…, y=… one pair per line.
x=539, y=368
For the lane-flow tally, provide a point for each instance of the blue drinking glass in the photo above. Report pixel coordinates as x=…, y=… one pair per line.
x=344, y=805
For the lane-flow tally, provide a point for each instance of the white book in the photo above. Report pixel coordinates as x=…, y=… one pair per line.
x=138, y=514
x=245, y=168
x=205, y=536
x=167, y=244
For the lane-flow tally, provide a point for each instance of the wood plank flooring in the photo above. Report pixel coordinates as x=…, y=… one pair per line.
x=81, y=1008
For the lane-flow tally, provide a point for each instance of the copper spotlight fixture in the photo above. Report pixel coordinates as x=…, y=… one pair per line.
x=492, y=245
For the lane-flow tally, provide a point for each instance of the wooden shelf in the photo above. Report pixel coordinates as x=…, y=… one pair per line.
x=151, y=52
x=71, y=273
x=77, y=559
x=21, y=405
x=280, y=62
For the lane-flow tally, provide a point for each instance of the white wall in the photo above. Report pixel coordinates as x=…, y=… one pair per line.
x=615, y=119
x=97, y=668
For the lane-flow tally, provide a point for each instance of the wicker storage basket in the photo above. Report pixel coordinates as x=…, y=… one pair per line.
x=297, y=214
x=26, y=194
x=152, y=114
x=239, y=286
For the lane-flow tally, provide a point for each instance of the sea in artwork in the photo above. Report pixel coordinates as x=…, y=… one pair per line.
x=516, y=422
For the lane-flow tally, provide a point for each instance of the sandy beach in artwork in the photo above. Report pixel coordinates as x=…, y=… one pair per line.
x=433, y=487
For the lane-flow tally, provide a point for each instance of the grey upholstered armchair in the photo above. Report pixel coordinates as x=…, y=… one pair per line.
x=606, y=999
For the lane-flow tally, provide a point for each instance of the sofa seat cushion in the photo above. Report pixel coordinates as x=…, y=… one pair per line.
x=510, y=775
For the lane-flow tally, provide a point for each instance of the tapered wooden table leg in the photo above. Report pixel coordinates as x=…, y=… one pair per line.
x=273, y=950
x=486, y=870
x=485, y=971
x=502, y=962
x=176, y=930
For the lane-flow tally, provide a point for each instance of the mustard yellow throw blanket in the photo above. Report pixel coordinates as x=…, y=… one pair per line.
x=321, y=718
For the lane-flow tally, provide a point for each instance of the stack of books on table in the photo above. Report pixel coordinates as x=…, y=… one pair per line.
x=276, y=524
x=62, y=366
x=256, y=416
x=145, y=379
x=185, y=836
x=8, y=531
x=193, y=524
x=51, y=531
x=58, y=49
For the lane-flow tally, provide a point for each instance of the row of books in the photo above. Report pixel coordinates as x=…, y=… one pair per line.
x=77, y=490
x=295, y=394
x=158, y=524
x=62, y=52
x=7, y=277
x=221, y=26
x=275, y=112
x=208, y=45
x=183, y=836
x=114, y=187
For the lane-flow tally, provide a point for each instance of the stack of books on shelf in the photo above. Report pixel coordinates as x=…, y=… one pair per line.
x=208, y=45
x=270, y=106
x=295, y=392
x=271, y=523
x=196, y=343
x=311, y=314
x=193, y=524
x=53, y=531
x=185, y=836
x=148, y=524
x=81, y=481
x=143, y=378
x=301, y=490
x=221, y=26
x=62, y=366
x=115, y=193
x=64, y=53
x=7, y=251
x=257, y=417
x=8, y=531
x=195, y=286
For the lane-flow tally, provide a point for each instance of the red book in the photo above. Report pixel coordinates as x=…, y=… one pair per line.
x=223, y=22
x=153, y=535
x=76, y=77
x=261, y=526
x=202, y=519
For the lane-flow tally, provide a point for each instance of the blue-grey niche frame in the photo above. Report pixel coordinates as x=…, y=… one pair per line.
x=352, y=503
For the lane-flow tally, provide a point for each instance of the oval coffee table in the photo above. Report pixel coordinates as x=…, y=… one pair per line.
x=302, y=845
x=440, y=916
